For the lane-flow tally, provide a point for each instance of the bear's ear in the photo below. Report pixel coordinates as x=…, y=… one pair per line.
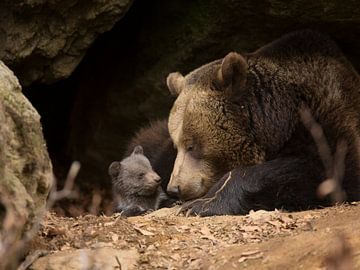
x=138, y=150
x=232, y=73
x=175, y=82
x=114, y=169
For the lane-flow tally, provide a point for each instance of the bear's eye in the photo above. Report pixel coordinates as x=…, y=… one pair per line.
x=141, y=175
x=190, y=148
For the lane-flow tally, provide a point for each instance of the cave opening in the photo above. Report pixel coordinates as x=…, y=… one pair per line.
x=119, y=86
x=91, y=115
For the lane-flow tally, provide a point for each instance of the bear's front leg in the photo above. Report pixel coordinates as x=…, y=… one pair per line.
x=222, y=199
x=289, y=183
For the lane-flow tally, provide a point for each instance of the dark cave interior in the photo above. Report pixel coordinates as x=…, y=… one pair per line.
x=74, y=110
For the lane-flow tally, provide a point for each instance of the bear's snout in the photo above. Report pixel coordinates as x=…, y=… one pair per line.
x=173, y=191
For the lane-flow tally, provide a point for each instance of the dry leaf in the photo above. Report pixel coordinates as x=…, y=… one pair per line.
x=250, y=252
x=256, y=255
x=143, y=232
x=114, y=237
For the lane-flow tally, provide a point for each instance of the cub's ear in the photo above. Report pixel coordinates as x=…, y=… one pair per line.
x=138, y=150
x=114, y=169
x=175, y=82
x=232, y=73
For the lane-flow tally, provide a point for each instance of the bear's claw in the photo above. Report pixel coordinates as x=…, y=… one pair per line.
x=199, y=207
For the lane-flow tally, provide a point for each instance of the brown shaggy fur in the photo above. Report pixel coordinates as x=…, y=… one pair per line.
x=242, y=113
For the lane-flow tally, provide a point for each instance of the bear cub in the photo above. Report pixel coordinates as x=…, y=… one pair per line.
x=136, y=186
x=157, y=147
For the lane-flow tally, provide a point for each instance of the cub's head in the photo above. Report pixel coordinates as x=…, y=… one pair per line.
x=134, y=176
x=209, y=125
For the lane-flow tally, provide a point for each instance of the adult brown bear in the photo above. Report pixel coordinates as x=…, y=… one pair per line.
x=241, y=114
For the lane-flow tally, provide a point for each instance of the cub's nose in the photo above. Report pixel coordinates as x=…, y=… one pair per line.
x=173, y=191
x=157, y=178
x=153, y=176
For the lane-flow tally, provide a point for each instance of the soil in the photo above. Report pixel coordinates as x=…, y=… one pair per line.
x=316, y=239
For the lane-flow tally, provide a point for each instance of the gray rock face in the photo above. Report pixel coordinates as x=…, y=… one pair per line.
x=44, y=40
x=25, y=167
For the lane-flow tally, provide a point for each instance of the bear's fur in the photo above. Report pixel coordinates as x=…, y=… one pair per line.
x=136, y=187
x=241, y=113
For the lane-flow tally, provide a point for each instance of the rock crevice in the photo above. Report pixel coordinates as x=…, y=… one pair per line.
x=43, y=41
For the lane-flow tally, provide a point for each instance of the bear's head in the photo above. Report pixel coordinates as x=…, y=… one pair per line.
x=134, y=175
x=209, y=125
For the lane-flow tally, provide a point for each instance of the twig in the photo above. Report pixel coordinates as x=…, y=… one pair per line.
x=30, y=259
x=340, y=256
x=68, y=187
x=217, y=192
x=207, y=200
x=118, y=261
x=95, y=203
x=334, y=166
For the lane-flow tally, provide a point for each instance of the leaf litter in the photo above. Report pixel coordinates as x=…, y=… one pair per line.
x=174, y=242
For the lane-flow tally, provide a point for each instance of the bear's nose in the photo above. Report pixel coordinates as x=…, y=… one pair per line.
x=173, y=191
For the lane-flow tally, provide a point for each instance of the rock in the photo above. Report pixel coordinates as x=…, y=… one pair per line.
x=101, y=258
x=25, y=167
x=43, y=41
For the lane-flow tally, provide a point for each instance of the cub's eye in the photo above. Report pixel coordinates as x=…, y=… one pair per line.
x=141, y=175
x=190, y=148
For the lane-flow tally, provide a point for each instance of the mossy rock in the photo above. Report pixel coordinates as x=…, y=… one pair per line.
x=25, y=167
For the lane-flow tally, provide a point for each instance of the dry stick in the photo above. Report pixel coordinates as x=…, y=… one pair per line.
x=334, y=167
x=95, y=203
x=317, y=133
x=118, y=261
x=209, y=200
x=341, y=255
x=68, y=187
x=30, y=259
x=332, y=186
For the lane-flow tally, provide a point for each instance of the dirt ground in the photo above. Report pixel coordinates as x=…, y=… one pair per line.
x=318, y=239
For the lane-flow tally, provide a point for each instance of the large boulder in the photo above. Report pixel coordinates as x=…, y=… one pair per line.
x=43, y=40
x=25, y=167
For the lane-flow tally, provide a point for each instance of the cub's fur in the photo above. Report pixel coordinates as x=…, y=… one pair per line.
x=136, y=186
x=158, y=148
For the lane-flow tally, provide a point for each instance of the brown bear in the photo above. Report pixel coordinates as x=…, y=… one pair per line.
x=136, y=186
x=238, y=119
